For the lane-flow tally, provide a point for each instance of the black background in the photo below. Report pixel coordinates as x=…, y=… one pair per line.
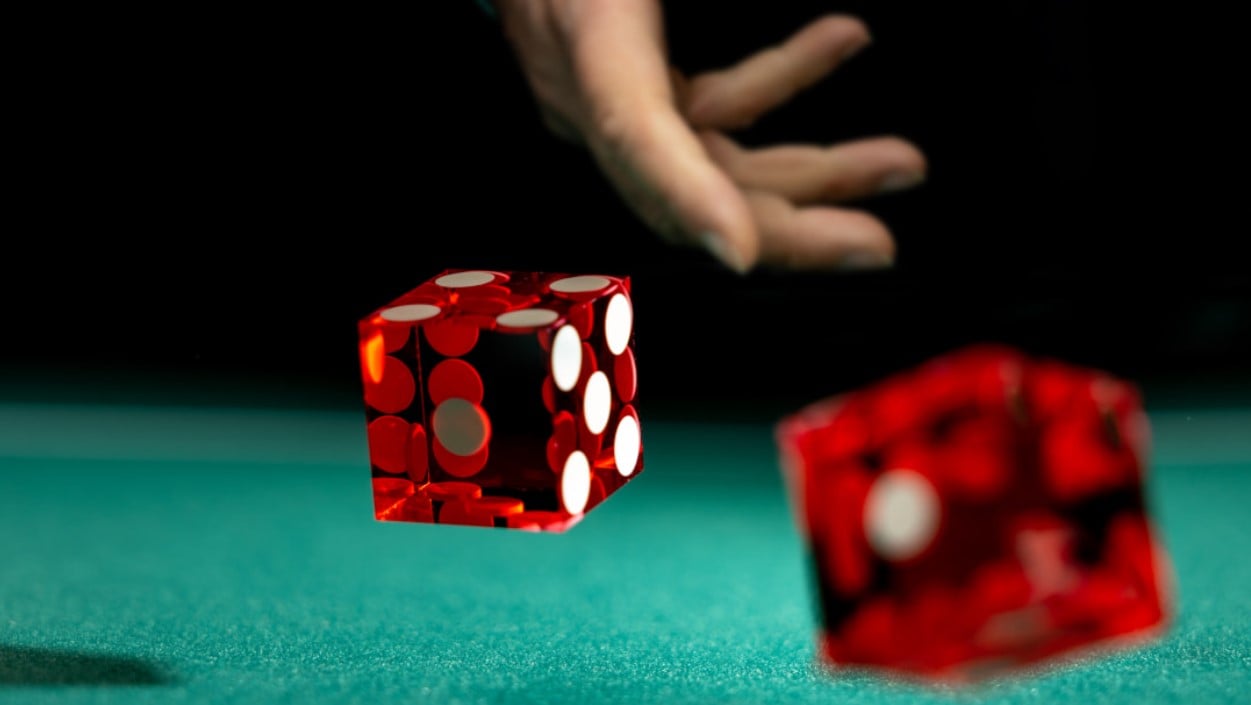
x=225, y=191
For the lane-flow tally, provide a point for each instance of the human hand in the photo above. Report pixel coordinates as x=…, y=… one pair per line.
x=599, y=72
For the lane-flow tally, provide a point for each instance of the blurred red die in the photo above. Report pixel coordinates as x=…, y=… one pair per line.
x=981, y=511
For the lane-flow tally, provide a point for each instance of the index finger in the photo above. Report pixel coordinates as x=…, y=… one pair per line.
x=737, y=96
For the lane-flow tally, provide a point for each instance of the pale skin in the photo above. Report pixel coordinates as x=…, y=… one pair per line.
x=601, y=77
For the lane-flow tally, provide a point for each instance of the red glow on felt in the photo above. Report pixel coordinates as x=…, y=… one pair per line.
x=455, y=378
x=394, y=388
x=388, y=444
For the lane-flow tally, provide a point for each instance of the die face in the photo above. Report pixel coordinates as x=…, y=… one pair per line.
x=501, y=398
x=998, y=519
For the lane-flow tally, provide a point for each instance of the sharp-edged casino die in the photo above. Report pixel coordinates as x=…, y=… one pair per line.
x=501, y=399
x=981, y=512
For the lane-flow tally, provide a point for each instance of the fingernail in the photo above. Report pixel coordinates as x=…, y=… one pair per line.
x=865, y=259
x=724, y=251
x=899, y=181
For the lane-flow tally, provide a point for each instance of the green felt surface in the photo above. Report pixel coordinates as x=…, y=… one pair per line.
x=156, y=555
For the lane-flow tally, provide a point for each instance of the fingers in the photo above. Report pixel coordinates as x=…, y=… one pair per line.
x=601, y=77
x=807, y=174
x=736, y=96
x=818, y=237
x=643, y=144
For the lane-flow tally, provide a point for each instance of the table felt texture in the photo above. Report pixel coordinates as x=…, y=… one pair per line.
x=204, y=555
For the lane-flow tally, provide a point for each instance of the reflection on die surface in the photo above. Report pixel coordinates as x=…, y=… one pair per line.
x=501, y=399
x=978, y=513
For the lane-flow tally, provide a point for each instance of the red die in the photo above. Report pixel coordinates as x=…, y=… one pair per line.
x=981, y=511
x=501, y=399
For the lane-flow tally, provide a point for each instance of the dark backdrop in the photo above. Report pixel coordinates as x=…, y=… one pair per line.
x=225, y=191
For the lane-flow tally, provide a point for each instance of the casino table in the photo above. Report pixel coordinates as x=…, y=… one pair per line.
x=160, y=553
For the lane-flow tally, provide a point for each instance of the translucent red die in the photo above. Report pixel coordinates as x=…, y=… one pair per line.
x=502, y=399
x=982, y=511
